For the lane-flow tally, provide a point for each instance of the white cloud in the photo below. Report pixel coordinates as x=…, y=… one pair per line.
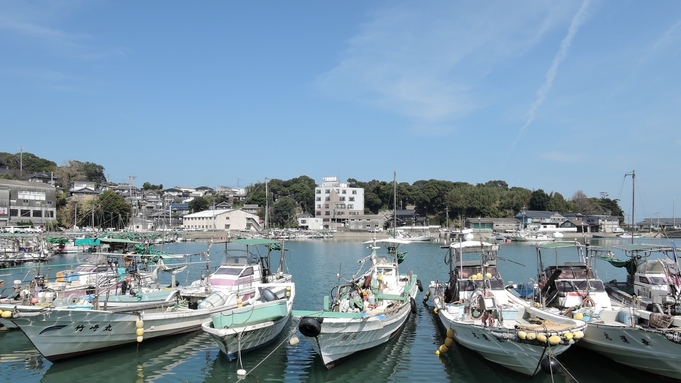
x=428, y=63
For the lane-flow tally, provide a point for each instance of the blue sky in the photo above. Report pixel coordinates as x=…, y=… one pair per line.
x=554, y=95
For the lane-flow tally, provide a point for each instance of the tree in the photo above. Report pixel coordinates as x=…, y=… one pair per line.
x=94, y=172
x=110, y=208
x=198, y=204
x=539, y=200
x=284, y=212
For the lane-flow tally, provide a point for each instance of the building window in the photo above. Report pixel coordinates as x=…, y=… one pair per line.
x=319, y=198
x=13, y=212
x=354, y=192
x=326, y=191
x=344, y=191
x=327, y=213
x=38, y=213
x=25, y=213
x=351, y=199
x=342, y=199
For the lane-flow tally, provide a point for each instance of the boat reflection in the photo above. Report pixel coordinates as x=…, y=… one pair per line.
x=15, y=348
x=147, y=361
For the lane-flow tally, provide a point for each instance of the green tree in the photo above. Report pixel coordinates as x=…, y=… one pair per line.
x=112, y=209
x=94, y=172
x=539, y=200
x=284, y=213
x=198, y=204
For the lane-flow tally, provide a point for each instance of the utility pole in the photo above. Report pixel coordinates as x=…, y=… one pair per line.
x=21, y=163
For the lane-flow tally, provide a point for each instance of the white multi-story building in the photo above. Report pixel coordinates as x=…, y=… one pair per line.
x=222, y=220
x=336, y=203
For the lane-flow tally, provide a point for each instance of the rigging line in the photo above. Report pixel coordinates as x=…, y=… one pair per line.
x=270, y=354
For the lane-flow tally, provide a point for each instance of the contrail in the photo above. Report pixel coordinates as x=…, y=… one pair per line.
x=577, y=21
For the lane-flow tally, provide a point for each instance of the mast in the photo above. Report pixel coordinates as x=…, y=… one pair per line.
x=266, y=203
x=633, y=201
x=395, y=204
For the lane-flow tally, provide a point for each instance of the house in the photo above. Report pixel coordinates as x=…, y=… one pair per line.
x=83, y=187
x=24, y=202
x=499, y=225
x=307, y=221
x=539, y=219
x=222, y=220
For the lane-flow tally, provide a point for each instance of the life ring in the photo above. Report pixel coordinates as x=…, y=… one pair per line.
x=310, y=327
x=412, y=302
x=73, y=299
x=418, y=283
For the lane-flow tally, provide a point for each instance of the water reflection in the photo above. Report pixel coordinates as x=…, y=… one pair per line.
x=147, y=361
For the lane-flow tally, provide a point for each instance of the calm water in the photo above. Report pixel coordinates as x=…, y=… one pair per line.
x=315, y=265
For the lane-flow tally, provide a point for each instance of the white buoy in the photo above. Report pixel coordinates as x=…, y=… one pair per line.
x=241, y=372
x=293, y=341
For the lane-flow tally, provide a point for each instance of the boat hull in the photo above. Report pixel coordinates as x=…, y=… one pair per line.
x=62, y=334
x=341, y=338
x=656, y=352
x=247, y=328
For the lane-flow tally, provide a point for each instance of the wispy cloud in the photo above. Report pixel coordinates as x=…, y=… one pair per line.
x=42, y=27
x=551, y=74
x=429, y=63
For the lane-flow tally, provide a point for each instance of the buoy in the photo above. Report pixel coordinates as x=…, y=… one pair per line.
x=554, y=340
x=522, y=334
x=448, y=342
x=139, y=324
x=34, y=300
x=578, y=316
x=6, y=314
x=443, y=349
x=241, y=372
x=568, y=335
x=140, y=339
x=239, y=302
x=450, y=333
x=578, y=334
x=531, y=335
x=293, y=341
x=435, y=310
x=288, y=291
x=541, y=338
x=140, y=331
x=550, y=365
x=437, y=352
x=488, y=275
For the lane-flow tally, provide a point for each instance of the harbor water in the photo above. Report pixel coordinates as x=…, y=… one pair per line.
x=315, y=266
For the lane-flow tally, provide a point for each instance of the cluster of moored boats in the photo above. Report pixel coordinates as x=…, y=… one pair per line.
x=244, y=304
x=526, y=327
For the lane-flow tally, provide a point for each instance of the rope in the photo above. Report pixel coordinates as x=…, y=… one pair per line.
x=268, y=355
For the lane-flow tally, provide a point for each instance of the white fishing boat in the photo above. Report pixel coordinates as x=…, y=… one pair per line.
x=643, y=329
x=255, y=324
x=367, y=311
x=642, y=339
x=481, y=315
x=566, y=278
x=64, y=333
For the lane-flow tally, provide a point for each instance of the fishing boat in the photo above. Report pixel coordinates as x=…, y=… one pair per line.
x=643, y=329
x=483, y=316
x=566, y=278
x=366, y=311
x=65, y=333
x=255, y=324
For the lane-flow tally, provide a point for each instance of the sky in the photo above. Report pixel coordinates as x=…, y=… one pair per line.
x=562, y=96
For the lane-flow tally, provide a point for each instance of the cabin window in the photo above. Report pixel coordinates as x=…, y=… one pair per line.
x=247, y=271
